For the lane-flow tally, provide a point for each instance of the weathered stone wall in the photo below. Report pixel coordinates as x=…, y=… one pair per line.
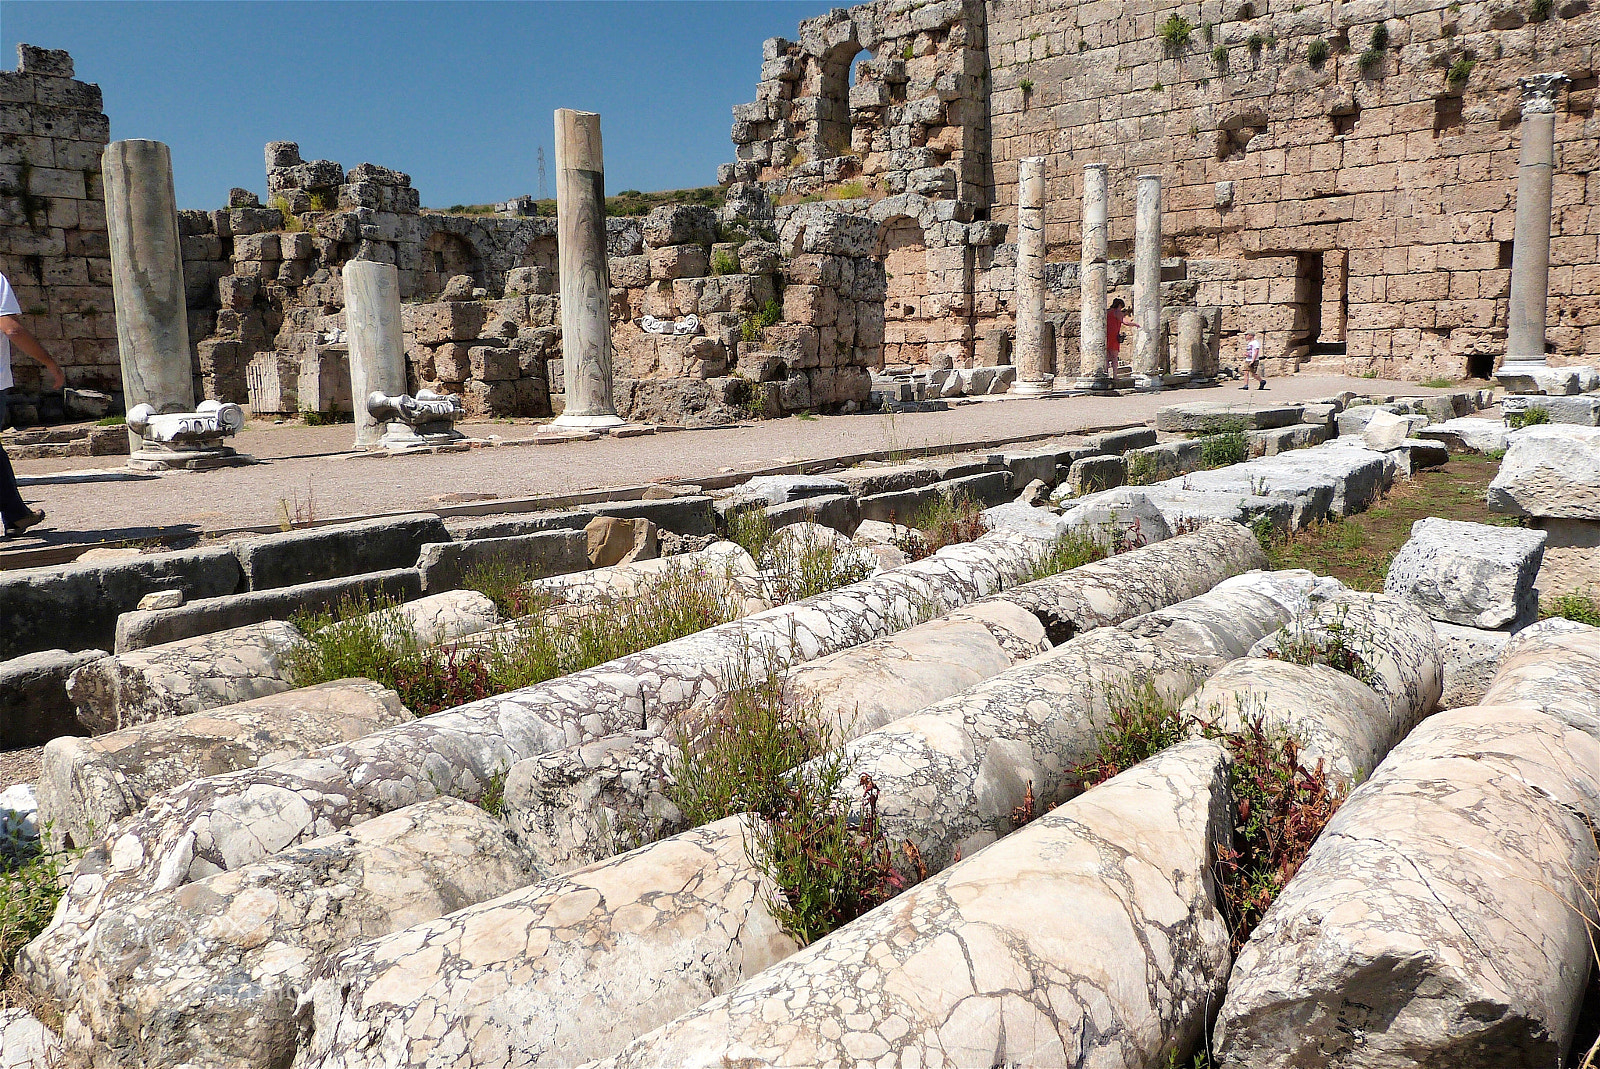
x=53, y=244
x=1357, y=209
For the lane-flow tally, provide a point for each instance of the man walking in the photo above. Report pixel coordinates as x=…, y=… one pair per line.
x=17, y=515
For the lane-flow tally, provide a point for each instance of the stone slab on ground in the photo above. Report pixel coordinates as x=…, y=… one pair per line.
x=34, y=707
x=688, y=514
x=209, y=974
x=1282, y=439
x=1118, y=442
x=1417, y=454
x=1583, y=410
x=1555, y=381
x=1473, y=574
x=76, y=606
x=1389, y=430
x=1214, y=416
x=1310, y=493
x=152, y=627
x=841, y=512
x=780, y=489
x=1471, y=656
x=1354, y=419
x=444, y=565
x=942, y=973
x=182, y=677
x=1468, y=432
x=320, y=553
x=1092, y=474
x=85, y=784
x=1440, y=917
x=1549, y=470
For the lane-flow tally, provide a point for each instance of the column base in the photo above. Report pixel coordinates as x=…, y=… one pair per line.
x=601, y=422
x=1031, y=388
x=187, y=459
x=1147, y=383
x=1536, y=376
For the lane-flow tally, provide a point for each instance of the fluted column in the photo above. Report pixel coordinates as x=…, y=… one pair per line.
x=1147, y=282
x=585, y=280
x=1530, y=248
x=1031, y=352
x=147, y=278
x=1092, y=371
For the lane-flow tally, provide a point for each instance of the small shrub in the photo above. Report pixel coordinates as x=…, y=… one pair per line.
x=797, y=568
x=1528, y=417
x=907, y=52
x=1142, y=469
x=1539, y=10
x=1255, y=43
x=493, y=799
x=30, y=887
x=854, y=189
x=1219, y=58
x=313, y=418
x=722, y=263
x=1580, y=608
x=1460, y=71
x=1026, y=85
x=1333, y=643
x=1380, y=38
x=1174, y=33
x=946, y=521
x=1068, y=551
x=290, y=222
x=323, y=201
x=1370, y=61
x=1157, y=87
x=1141, y=721
x=1317, y=53
x=1231, y=445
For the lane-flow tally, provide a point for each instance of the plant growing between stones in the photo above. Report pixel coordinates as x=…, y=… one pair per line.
x=1458, y=74
x=944, y=521
x=1142, y=469
x=1219, y=58
x=1255, y=43
x=1141, y=721
x=1539, y=10
x=1579, y=608
x=290, y=222
x=723, y=263
x=1335, y=643
x=1317, y=53
x=31, y=883
x=1230, y=445
x=1175, y=33
x=1068, y=551
x=1528, y=417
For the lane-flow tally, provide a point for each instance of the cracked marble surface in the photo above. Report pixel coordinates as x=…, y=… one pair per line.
x=557, y=973
x=209, y=973
x=1089, y=938
x=1436, y=922
x=1554, y=665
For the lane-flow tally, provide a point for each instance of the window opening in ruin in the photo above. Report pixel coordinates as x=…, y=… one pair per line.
x=902, y=248
x=836, y=75
x=1480, y=365
x=855, y=67
x=1345, y=122
x=1308, y=301
x=1580, y=96
x=1504, y=262
x=1446, y=114
x=444, y=256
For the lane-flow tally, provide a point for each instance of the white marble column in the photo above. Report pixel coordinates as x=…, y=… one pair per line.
x=1031, y=353
x=377, y=345
x=1191, y=345
x=1530, y=250
x=147, y=278
x=1092, y=372
x=585, y=280
x=1147, y=283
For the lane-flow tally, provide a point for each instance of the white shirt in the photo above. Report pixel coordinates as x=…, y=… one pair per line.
x=1252, y=350
x=8, y=307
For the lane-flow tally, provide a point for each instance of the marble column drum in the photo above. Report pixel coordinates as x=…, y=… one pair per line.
x=1032, y=350
x=1147, y=282
x=377, y=345
x=147, y=278
x=1092, y=371
x=585, y=281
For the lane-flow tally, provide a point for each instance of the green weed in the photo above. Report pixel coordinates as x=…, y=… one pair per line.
x=1580, y=608
x=1175, y=33
x=1528, y=417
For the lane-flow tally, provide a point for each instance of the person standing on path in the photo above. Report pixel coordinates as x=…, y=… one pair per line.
x=17, y=515
x=1252, y=361
x=1116, y=315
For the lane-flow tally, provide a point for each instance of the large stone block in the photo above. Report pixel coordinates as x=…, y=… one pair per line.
x=87, y=784
x=1468, y=432
x=842, y=512
x=1387, y=431
x=1469, y=573
x=209, y=974
x=34, y=707
x=941, y=975
x=76, y=606
x=431, y=620
x=1213, y=416
x=1582, y=410
x=1549, y=470
x=445, y=564
x=182, y=677
x=330, y=552
x=1440, y=918
x=680, y=224
x=1470, y=657
x=1092, y=474
x=152, y=627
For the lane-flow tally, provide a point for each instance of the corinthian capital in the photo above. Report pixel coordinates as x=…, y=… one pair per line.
x=1539, y=92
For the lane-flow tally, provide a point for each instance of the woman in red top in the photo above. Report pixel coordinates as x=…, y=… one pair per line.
x=1116, y=315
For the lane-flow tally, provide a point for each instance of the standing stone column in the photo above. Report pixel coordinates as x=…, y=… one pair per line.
x=377, y=345
x=1147, y=283
x=1191, y=345
x=1530, y=248
x=1031, y=352
x=147, y=278
x=1092, y=374
x=585, y=280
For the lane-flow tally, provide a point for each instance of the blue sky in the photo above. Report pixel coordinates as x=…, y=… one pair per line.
x=459, y=95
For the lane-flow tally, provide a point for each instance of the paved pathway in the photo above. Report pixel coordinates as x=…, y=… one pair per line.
x=307, y=473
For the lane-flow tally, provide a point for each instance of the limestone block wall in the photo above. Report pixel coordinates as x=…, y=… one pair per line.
x=53, y=246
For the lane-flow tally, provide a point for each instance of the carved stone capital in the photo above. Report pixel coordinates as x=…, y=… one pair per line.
x=1539, y=92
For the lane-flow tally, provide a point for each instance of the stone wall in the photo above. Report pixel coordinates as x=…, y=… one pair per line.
x=1346, y=188
x=53, y=244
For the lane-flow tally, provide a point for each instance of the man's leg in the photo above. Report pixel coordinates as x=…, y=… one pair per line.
x=12, y=507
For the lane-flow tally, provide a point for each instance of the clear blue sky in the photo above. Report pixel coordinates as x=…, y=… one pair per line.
x=458, y=95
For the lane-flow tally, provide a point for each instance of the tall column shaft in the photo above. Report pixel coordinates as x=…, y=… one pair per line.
x=1530, y=249
x=147, y=278
x=377, y=344
x=1092, y=370
x=1147, y=281
x=585, y=280
x=1031, y=352
x=1191, y=344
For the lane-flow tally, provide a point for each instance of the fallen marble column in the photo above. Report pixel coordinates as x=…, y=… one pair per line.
x=429, y=621
x=950, y=777
x=86, y=784
x=1337, y=720
x=209, y=974
x=1440, y=917
x=559, y=972
x=188, y=676
x=1387, y=643
x=725, y=563
x=1554, y=666
x=222, y=822
x=25, y=1043
x=1089, y=938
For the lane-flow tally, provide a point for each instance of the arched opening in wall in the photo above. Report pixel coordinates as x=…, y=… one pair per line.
x=861, y=57
x=541, y=252
x=445, y=255
x=904, y=254
x=836, y=76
